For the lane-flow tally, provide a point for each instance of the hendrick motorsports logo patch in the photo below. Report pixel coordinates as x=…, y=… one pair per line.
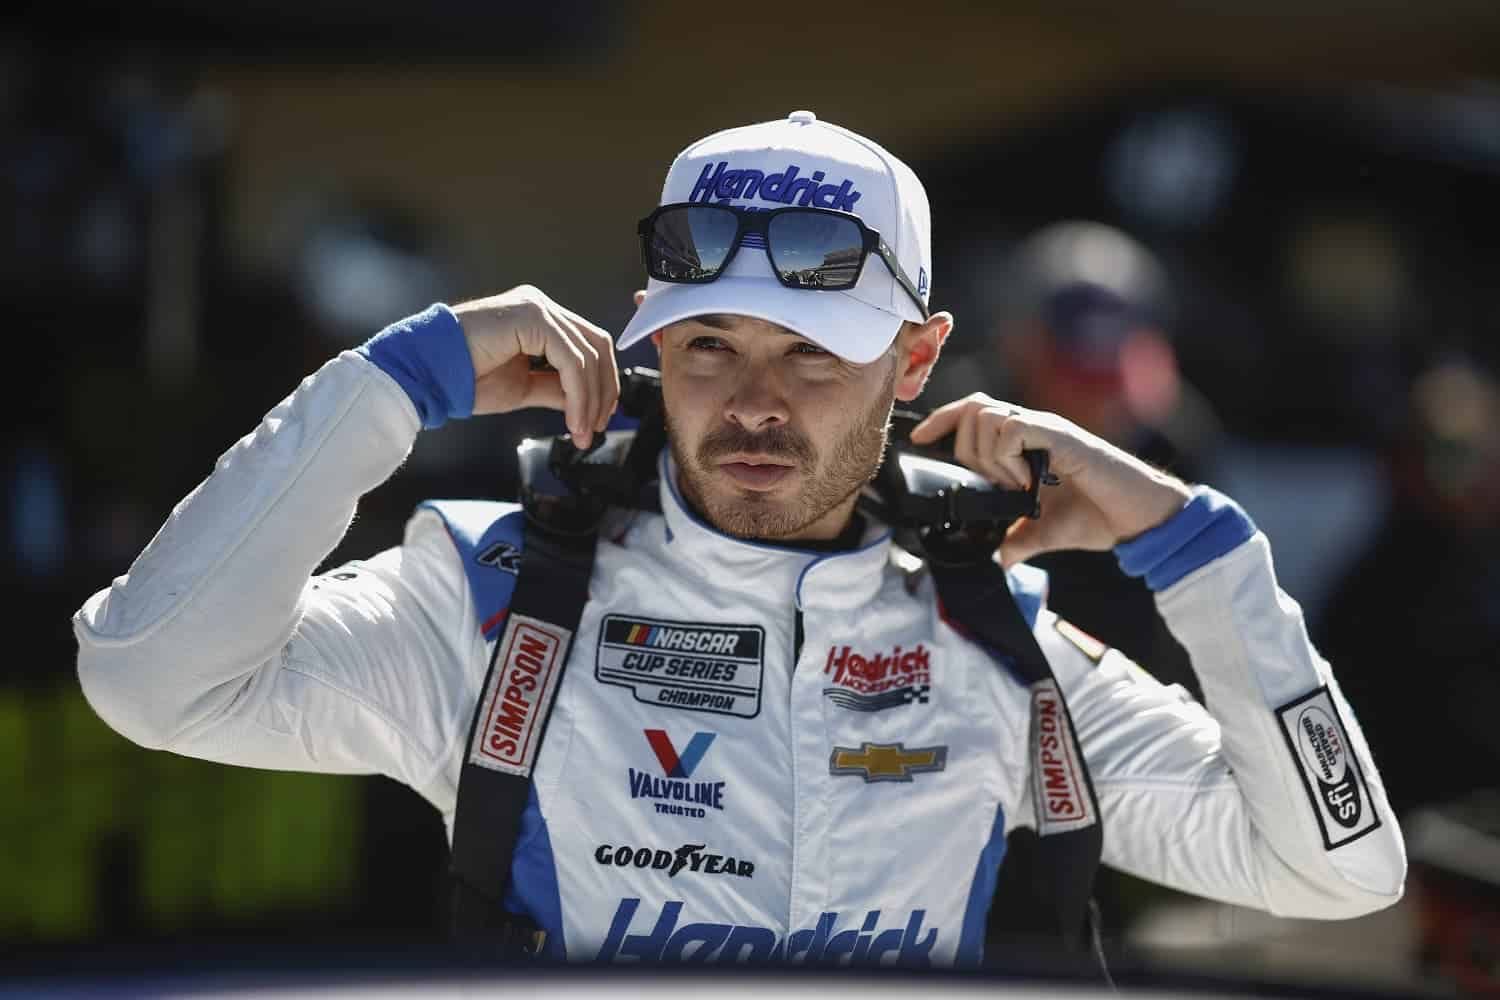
x=879, y=681
x=887, y=761
x=691, y=665
x=837, y=938
x=1340, y=797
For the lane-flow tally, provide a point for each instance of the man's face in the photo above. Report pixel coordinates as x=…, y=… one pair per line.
x=773, y=436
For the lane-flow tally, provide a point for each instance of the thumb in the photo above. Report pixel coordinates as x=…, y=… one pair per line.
x=504, y=390
x=1022, y=541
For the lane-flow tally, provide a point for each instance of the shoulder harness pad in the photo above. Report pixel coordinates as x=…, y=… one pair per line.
x=488, y=537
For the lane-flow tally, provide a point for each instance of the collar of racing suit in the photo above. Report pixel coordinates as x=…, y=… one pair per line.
x=816, y=580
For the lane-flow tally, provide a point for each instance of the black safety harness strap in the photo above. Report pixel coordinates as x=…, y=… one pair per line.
x=976, y=597
x=510, y=723
x=526, y=670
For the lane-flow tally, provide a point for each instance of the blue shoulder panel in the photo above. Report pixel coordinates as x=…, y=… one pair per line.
x=487, y=534
x=1029, y=585
x=981, y=895
x=533, y=879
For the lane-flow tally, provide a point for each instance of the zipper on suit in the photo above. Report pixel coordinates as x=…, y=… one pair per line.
x=791, y=716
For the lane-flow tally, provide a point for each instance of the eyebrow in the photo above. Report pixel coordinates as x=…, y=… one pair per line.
x=719, y=321
x=726, y=322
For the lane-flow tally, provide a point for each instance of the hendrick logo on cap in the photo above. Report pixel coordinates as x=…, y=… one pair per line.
x=718, y=181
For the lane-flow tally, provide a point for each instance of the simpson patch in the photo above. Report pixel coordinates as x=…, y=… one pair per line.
x=1335, y=785
x=1063, y=802
x=518, y=695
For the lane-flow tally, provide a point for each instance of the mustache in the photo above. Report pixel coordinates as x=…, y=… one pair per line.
x=779, y=442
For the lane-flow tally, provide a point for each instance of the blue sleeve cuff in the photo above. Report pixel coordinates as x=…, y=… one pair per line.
x=1208, y=526
x=428, y=356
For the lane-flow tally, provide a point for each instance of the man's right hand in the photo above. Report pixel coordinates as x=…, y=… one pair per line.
x=505, y=331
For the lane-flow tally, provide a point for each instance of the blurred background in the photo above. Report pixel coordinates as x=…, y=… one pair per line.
x=1255, y=242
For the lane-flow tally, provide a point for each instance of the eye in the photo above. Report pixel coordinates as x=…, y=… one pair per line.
x=707, y=344
x=809, y=348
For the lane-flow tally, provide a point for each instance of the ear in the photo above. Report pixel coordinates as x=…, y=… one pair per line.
x=918, y=347
x=656, y=339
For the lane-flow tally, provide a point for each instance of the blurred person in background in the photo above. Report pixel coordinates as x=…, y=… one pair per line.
x=853, y=788
x=1420, y=609
x=1081, y=330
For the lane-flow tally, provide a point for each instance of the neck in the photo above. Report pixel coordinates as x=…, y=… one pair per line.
x=831, y=527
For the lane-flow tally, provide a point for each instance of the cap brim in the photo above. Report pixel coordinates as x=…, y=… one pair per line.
x=856, y=331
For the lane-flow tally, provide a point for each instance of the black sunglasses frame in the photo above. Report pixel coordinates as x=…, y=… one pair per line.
x=754, y=222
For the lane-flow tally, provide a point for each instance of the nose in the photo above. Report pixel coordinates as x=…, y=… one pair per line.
x=758, y=402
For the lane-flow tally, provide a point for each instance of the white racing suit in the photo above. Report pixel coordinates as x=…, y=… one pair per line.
x=755, y=751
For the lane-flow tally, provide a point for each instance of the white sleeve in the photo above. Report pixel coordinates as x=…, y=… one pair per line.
x=219, y=644
x=1226, y=802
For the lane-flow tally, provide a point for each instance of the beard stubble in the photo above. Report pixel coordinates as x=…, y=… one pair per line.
x=828, y=481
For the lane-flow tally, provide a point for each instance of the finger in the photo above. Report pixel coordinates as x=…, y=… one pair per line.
x=1006, y=451
x=606, y=370
x=989, y=446
x=544, y=389
x=941, y=421
x=964, y=438
x=593, y=365
x=596, y=332
x=569, y=360
x=504, y=390
x=609, y=373
x=1022, y=541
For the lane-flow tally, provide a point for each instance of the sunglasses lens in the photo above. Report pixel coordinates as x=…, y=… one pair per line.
x=816, y=249
x=691, y=243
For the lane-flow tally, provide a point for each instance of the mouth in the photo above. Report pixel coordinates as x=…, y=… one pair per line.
x=755, y=472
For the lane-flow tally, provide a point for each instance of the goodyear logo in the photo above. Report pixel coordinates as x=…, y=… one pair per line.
x=688, y=665
x=688, y=857
x=887, y=761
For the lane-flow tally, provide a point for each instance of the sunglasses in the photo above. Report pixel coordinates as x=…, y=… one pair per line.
x=814, y=248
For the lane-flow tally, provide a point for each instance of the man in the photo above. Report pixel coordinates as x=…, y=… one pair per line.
x=754, y=691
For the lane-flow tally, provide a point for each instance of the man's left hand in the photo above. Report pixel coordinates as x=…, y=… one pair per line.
x=1107, y=495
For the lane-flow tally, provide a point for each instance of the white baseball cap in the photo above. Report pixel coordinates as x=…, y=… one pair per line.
x=803, y=161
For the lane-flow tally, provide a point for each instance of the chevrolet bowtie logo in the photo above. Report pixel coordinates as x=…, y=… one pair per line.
x=886, y=761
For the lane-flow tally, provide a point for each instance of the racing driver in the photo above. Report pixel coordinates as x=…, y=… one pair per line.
x=768, y=741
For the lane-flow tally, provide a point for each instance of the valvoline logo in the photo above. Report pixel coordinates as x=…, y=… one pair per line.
x=674, y=794
x=864, y=943
x=673, y=764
